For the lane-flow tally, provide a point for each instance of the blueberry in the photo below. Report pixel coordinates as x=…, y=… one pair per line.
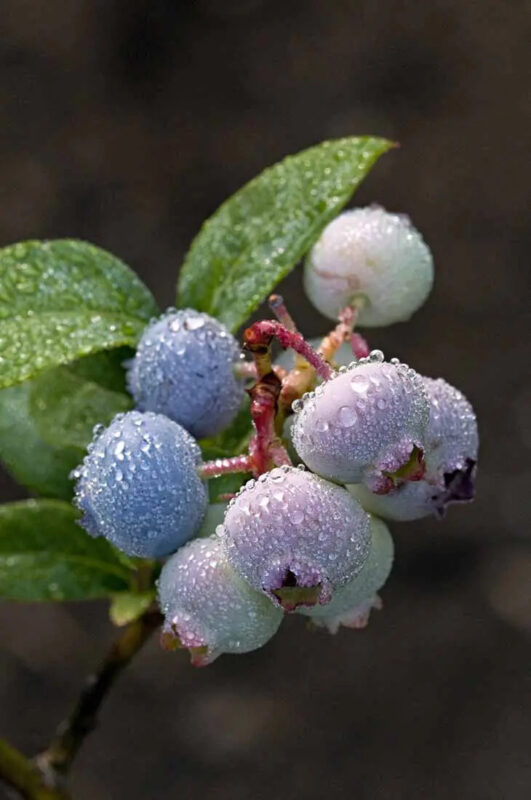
x=373, y=257
x=209, y=609
x=351, y=604
x=367, y=424
x=138, y=485
x=295, y=536
x=184, y=368
x=451, y=452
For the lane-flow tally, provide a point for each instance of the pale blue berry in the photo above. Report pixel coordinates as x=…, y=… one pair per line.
x=364, y=425
x=209, y=609
x=138, y=485
x=372, y=258
x=451, y=452
x=184, y=368
x=351, y=604
x=295, y=536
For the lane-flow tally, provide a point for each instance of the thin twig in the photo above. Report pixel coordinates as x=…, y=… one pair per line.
x=70, y=735
x=25, y=777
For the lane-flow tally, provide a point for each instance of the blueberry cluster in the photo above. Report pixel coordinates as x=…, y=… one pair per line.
x=374, y=440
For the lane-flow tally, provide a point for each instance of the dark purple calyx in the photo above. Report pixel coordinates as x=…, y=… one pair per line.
x=460, y=486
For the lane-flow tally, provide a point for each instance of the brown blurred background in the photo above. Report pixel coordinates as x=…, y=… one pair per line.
x=127, y=123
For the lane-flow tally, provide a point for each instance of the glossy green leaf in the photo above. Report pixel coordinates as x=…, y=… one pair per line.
x=66, y=407
x=106, y=368
x=45, y=555
x=42, y=438
x=39, y=466
x=260, y=233
x=63, y=299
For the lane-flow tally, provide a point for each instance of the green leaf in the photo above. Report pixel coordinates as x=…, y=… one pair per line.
x=128, y=606
x=260, y=233
x=105, y=368
x=63, y=299
x=66, y=407
x=33, y=462
x=42, y=438
x=45, y=555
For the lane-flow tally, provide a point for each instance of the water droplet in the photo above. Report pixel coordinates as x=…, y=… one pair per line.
x=297, y=516
x=359, y=384
x=194, y=323
x=347, y=417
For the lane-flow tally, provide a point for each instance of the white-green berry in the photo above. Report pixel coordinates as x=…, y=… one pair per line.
x=208, y=608
x=373, y=258
x=351, y=604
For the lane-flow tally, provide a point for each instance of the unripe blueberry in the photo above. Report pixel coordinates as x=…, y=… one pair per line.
x=295, y=536
x=372, y=256
x=209, y=608
x=138, y=485
x=184, y=368
x=367, y=424
x=451, y=451
x=351, y=604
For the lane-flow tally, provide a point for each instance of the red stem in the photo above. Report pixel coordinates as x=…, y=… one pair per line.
x=223, y=466
x=260, y=335
x=265, y=448
x=360, y=348
x=279, y=309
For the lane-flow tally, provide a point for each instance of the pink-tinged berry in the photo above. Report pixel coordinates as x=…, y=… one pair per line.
x=367, y=425
x=351, y=605
x=451, y=452
x=373, y=259
x=295, y=536
x=209, y=609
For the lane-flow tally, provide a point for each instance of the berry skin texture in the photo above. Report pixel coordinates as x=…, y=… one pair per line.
x=373, y=257
x=451, y=455
x=138, y=485
x=367, y=424
x=209, y=609
x=352, y=603
x=184, y=368
x=295, y=536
